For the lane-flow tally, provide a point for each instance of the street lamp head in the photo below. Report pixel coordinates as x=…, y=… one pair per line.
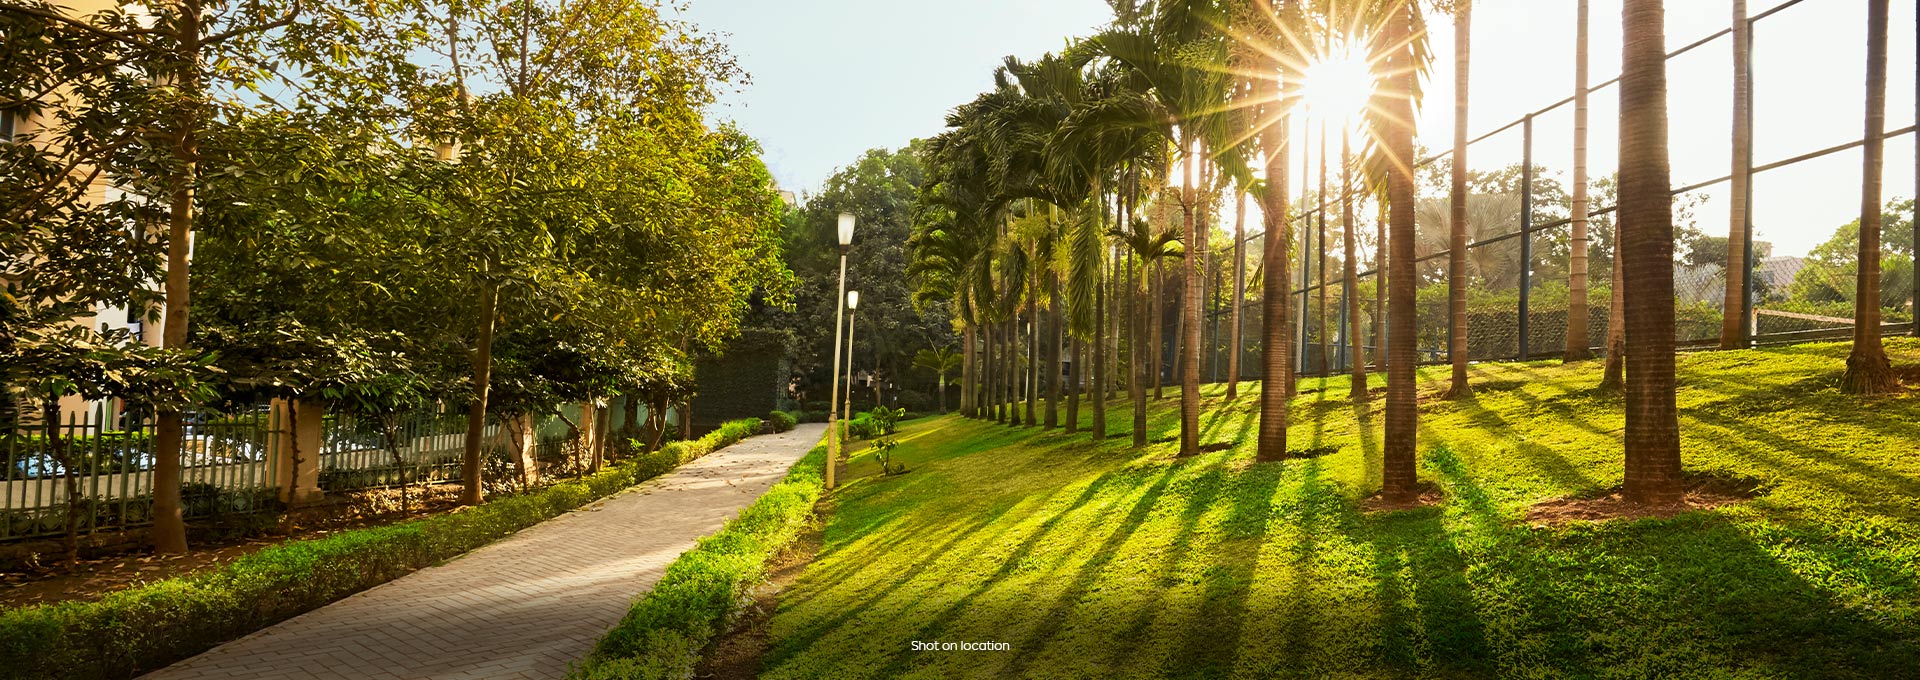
x=853, y=299
x=846, y=229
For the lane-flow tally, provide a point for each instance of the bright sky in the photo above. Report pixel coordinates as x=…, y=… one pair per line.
x=832, y=78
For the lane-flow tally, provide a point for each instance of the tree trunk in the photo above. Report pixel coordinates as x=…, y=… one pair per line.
x=1577, y=345
x=1380, y=286
x=1190, y=313
x=1053, y=353
x=1867, y=369
x=1159, y=331
x=1320, y=255
x=1100, y=338
x=1032, y=393
x=1275, y=288
x=1073, y=384
x=482, y=377
x=966, y=370
x=1646, y=227
x=1239, y=293
x=1733, y=319
x=1356, y=357
x=169, y=526
x=1398, y=457
x=1457, y=236
x=1136, y=327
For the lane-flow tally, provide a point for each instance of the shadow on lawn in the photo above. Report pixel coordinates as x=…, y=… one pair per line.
x=1679, y=597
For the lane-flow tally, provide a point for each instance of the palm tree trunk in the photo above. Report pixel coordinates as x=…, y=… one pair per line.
x=1159, y=331
x=992, y=366
x=966, y=370
x=1100, y=337
x=1032, y=393
x=1073, y=384
x=1012, y=368
x=1356, y=358
x=1733, y=320
x=1457, y=237
x=1325, y=328
x=1239, y=292
x=1136, y=327
x=1646, y=226
x=1276, y=360
x=1380, y=286
x=1190, y=312
x=1867, y=369
x=1053, y=354
x=1398, y=456
x=1613, y=376
x=1577, y=256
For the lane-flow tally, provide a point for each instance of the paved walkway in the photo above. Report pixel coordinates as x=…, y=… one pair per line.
x=526, y=606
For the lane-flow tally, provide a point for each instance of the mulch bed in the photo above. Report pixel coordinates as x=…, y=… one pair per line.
x=738, y=654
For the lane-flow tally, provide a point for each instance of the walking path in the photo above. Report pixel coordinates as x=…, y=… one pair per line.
x=526, y=606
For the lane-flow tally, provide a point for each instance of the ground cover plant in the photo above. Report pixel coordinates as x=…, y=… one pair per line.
x=156, y=624
x=1099, y=560
x=662, y=635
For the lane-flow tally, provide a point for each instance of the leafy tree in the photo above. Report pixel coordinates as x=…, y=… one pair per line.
x=941, y=362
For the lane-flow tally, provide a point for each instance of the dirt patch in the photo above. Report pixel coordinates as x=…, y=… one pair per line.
x=737, y=654
x=43, y=578
x=1703, y=492
x=1425, y=495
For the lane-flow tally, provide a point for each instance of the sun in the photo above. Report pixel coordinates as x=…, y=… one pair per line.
x=1338, y=86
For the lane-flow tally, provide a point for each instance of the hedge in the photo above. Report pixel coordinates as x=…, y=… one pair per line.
x=663, y=634
x=150, y=626
x=782, y=421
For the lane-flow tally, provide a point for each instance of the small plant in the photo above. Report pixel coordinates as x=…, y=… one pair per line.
x=886, y=420
x=782, y=421
x=883, y=451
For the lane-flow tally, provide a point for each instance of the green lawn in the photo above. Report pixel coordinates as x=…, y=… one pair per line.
x=1104, y=561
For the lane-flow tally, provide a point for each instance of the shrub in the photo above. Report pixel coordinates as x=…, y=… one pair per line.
x=153, y=625
x=664, y=632
x=782, y=421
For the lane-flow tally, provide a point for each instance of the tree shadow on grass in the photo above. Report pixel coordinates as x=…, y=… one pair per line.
x=1202, y=492
x=901, y=658
x=1090, y=572
x=1213, y=631
x=1682, y=597
x=1549, y=462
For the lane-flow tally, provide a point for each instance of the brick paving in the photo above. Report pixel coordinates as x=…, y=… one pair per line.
x=526, y=606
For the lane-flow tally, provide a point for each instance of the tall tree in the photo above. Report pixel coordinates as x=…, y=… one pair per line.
x=1401, y=88
x=1357, y=358
x=1577, y=253
x=1733, y=325
x=1868, y=371
x=1646, y=239
x=1457, y=244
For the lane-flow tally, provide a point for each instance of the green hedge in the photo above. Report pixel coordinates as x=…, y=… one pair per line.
x=154, y=625
x=663, y=634
x=782, y=421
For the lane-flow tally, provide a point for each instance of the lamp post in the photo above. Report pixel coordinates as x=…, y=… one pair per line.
x=833, y=398
x=853, y=306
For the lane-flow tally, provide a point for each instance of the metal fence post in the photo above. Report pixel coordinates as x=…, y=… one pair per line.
x=1526, y=227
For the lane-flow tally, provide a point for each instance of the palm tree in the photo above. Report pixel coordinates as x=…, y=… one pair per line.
x=1577, y=254
x=1733, y=324
x=1867, y=369
x=1150, y=247
x=1646, y=237
x=1357, y=359
x=941, y=363
x=1239, y=290
x=1207, y=136
x=1457, y=246
x=1395, y=130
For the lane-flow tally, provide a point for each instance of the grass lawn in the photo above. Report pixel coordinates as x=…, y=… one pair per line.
x=1099, y=560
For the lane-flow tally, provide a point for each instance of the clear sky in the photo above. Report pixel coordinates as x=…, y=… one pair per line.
x=832, y=78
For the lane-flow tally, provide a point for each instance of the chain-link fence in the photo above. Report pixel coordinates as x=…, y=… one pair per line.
x=1799, y=279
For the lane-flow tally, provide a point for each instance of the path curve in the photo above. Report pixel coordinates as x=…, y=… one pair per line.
x=525, y=606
